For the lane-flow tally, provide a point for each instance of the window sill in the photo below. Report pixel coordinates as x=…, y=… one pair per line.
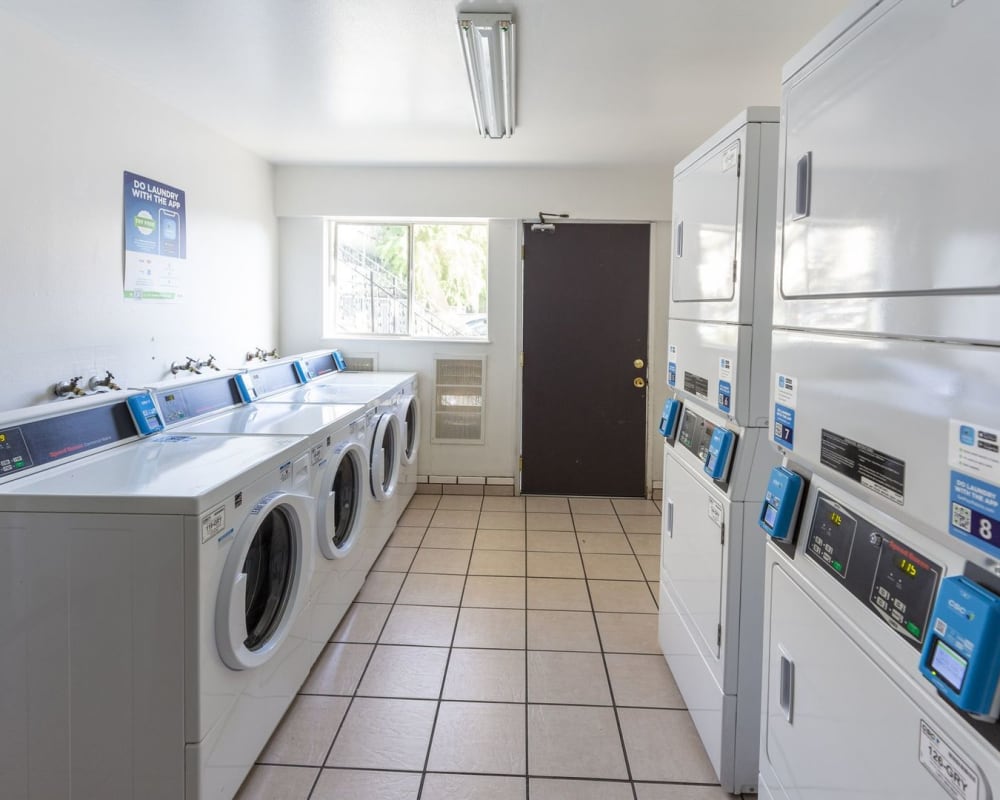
x=361, y=337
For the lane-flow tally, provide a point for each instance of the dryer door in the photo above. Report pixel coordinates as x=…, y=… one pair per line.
x=385, y=457
x=341, y=502
x=264, y=580
x=412, y=431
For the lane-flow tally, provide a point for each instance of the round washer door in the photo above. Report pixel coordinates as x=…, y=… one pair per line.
x=412, y=431
x=385, y=456
x=264, y=580
x=341, y=503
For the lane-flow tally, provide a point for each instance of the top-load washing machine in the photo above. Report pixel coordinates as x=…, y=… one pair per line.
x=335, y=437
x=153, y=629
x=881, y=639
x=716, y=454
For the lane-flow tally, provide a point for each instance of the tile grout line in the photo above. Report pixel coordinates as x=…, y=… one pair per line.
x=361, y=677
x=447, y=664
x=607, y=672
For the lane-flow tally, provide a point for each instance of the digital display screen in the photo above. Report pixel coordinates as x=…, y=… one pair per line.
x=948, y=665
x=770, y=515
x=835, y=518
x=907, y=567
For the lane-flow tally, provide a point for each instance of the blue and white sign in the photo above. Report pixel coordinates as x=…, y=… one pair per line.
x=672, y=365
x=974, y=496
x=155, y=228
x=725, y=396
x=786, y=392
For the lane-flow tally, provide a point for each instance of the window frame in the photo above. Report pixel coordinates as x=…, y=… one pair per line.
x=330, y=320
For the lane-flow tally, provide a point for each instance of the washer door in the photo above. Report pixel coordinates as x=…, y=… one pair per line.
x=412, y=431
x=385, y=456
x=264, y=580
x=341, y=505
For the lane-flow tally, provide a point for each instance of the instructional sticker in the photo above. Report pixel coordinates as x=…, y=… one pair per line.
x=784, y=426
x=672, y=365
x=725, y=369
x=730, y=157
x=725, y=396
x=715, y=511
x=974, y=497
x=955, y=773
x=695, y=384
x=786, y=390
x=876, y=471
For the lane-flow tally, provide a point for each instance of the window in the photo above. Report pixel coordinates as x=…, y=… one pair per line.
x=419, y=279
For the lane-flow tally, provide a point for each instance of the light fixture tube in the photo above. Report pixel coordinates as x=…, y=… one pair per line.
x=488, y=47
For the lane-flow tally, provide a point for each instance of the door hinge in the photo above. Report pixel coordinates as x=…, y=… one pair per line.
x=521, y=360
x=723, y=539
x=719, y=636
x=520, y=463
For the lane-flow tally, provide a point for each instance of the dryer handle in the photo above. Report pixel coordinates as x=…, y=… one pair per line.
x=786, y=690
x=670, y=518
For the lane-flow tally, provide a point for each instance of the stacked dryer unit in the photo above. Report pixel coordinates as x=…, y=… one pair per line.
x=338, y=463
x=716, y=455
x=882, y=648
x=153, y=625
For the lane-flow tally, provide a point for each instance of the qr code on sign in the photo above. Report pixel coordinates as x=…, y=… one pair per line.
x=961, y=517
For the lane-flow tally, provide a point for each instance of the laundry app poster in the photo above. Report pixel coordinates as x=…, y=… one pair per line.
x=155, y=228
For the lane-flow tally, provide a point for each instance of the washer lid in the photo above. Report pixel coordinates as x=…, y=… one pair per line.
x=264, y=580
x=341, y=500
x=385, y=456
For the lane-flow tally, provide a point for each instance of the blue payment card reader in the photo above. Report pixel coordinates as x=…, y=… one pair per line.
x=670, y=417
x=720, y=454
x=961, y=657
x=338, y=360
x=245, y=386
x=781, y=504
x=145, y=414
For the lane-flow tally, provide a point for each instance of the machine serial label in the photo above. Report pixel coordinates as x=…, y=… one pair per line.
x=715, y=511
x=213, y=523
x=953, y=771
x=873, y=469
x=730, y=156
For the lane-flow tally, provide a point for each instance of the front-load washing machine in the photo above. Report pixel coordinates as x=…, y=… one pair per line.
x=384, y=437
x=152, y=628
x=335, y=437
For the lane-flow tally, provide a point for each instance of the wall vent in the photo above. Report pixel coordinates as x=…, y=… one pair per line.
x=459, y=394
x=360, y=363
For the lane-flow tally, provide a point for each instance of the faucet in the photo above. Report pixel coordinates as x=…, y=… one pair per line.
x=69, y=389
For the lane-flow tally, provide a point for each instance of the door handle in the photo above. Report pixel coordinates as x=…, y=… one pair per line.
x=670, y=518
x=786, y=690
x=679, y=240
x=638, y=383
x=803, y=186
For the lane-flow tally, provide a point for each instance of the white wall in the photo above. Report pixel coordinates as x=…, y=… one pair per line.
x=70, y=128
x=506, y=196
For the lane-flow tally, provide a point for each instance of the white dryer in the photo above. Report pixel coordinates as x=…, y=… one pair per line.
x=338, y=454
x=153, y=629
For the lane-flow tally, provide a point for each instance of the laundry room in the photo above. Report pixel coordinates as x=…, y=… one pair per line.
x=529, y=400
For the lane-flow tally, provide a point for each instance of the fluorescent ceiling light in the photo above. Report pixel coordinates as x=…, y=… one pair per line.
x=488, y=46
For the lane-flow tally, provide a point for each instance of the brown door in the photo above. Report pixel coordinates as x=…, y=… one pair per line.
x=586, y=301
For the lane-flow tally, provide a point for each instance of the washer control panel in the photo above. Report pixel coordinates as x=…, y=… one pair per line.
x=893, y=580
x=696, y=434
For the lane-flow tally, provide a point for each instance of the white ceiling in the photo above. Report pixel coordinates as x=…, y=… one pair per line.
x=382, y=81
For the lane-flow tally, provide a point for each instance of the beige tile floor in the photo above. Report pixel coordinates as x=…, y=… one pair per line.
x=502, y=648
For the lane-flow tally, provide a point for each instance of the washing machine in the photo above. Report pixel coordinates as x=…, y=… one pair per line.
x=716, y=454
x=384, y=438
x=327, y=368
x=153, y=628
x=881, y=662
x=338, y=453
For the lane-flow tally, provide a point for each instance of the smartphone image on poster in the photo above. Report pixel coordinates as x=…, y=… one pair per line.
x=169, y=233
